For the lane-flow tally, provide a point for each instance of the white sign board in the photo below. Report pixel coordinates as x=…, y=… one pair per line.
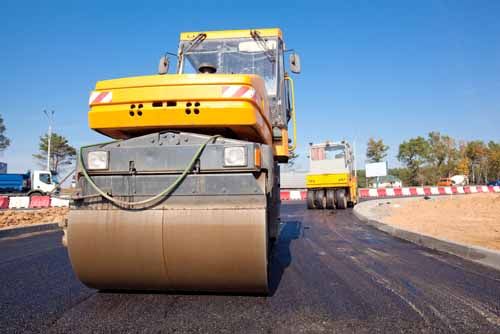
x=376, y=169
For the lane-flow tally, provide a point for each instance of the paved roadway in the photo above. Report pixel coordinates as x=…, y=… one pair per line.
x=330, y=274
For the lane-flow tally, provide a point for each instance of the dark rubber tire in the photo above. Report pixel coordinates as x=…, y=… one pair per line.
x=310, y=199
x=330, y=199
x=341, y=199
x=320, y=199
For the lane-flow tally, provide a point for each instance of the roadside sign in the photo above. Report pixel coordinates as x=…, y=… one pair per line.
x=376, y=169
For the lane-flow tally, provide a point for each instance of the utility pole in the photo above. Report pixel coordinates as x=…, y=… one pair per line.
x=50, y=118
x=354, y=159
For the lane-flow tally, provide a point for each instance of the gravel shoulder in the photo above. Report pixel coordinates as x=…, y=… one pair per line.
x=472, y=219
x=17, y=218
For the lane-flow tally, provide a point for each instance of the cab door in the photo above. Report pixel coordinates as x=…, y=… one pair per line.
x=43, y=182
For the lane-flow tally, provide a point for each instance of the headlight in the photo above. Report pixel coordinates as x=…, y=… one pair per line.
x=235, y=156
x=97, y=160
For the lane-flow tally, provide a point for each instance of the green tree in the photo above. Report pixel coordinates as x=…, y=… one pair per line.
x=443, y=156
x=462, y=167
x=61, y=153
x=361, y=173
x=376, y=150
x=493, y=160
x=4, y=141
x=414, y=153
x=477, y=153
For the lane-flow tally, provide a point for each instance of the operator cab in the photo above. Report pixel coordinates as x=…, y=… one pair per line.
x=330, y=157
x=254, y=54
x=258, y=52
x=232, y=83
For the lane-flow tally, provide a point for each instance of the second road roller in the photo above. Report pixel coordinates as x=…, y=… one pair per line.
x=186, y=194
x=332, y=181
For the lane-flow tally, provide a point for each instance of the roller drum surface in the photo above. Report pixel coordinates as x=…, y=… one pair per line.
x=202, y=249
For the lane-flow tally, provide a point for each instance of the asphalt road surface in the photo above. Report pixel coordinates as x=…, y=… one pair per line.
x=329, y=273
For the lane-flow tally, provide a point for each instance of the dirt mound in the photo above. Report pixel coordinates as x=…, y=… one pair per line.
x=469, y=219
x=28, y=217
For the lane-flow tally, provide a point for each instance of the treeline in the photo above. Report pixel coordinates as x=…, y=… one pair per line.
x=427, y=159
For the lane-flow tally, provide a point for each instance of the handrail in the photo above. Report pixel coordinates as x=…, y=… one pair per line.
x=294, y=121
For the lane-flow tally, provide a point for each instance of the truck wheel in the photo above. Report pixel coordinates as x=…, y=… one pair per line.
x=330, y=199
x=341, y=199
x=310, y=199
x=35, y=193
x=320, y=201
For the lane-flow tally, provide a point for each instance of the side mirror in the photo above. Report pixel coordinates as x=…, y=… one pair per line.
x=163, y=65
x=295, y=63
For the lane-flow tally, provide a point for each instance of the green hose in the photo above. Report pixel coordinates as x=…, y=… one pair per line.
x=165, y=192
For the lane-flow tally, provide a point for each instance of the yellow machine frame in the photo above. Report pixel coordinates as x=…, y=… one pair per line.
x=323, y=186
x=139, y=105
x=270, y=32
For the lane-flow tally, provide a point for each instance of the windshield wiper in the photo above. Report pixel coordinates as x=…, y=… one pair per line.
x=195, y=42
x=263, y=44
x=184, y=49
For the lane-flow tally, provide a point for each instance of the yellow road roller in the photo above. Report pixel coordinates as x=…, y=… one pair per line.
x=331, y=182
x=186, y=194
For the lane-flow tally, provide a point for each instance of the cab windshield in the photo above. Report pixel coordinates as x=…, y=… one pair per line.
x=328, y=153
x=234, y=56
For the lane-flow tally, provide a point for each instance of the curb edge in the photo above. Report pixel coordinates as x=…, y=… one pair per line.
x=15, y=231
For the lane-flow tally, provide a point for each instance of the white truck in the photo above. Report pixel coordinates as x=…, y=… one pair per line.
x=36, y=182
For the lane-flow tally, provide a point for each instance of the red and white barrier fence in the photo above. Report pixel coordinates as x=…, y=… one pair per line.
x=297, y=195
x=39, y=202
x=31, y=202
x=425, y=191
x=25, y=202
x=4, y=202
x=293, y=195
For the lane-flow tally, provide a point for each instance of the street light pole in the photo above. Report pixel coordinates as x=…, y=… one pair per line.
x=50, y=117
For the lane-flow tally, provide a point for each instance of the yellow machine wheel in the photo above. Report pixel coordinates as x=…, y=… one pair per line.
x=330, y=199
x=310, y=199
x=341, y=199
x=320, y=199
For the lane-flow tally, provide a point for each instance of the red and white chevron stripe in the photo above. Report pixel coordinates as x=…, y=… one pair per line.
x=239, y=91
x=100, y=97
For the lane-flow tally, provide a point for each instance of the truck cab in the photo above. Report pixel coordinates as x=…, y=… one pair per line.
x=42, y=182
x=37, y=182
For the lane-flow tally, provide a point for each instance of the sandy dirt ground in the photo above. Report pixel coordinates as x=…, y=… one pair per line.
x=469, y=219
x=11, y=218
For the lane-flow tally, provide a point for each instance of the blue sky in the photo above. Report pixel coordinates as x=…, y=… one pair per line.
x=387, y=69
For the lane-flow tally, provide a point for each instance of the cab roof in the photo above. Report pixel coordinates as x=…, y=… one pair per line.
x=328, y=143
x=270, y=32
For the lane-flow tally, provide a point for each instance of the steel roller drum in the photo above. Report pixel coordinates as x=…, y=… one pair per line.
x=204, y=248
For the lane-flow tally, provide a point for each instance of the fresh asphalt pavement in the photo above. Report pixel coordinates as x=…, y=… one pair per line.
x=330, y=273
